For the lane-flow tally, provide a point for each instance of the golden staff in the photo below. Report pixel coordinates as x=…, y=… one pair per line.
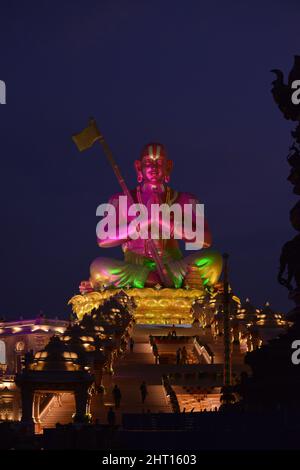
x=85, y=140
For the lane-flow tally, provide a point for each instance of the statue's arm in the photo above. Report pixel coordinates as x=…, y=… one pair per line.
x=207, y=241
x=113, y=236
x=185, y=232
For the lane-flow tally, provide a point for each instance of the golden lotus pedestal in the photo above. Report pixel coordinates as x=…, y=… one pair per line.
x=153, y=306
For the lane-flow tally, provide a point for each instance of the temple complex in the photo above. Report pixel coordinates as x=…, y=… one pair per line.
x=157, y=317
x=95, y=351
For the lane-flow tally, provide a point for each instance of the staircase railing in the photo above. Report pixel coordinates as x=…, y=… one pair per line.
x=48, y=406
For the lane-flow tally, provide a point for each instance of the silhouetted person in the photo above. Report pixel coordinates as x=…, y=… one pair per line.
x=155, y=353
x=144, y=391
x=117, y=396
x=174, y=334
x=184, y=355
x=111, y=416
x=178, y=357
x=131, y=344
x=155, y=349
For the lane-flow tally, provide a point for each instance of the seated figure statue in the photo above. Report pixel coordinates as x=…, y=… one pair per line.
x=138, y=269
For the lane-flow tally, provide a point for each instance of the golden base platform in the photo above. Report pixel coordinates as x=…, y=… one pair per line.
x=154, y=306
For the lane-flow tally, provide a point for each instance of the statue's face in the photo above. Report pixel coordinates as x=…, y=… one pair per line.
x=154, y=170
x=154, y=167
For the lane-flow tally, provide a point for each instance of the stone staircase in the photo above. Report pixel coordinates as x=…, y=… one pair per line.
x=190, y=398
x=60, y=410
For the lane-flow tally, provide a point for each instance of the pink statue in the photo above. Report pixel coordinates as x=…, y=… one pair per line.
x=138, y=268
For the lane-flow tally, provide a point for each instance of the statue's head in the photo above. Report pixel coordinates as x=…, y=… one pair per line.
x=153, y=166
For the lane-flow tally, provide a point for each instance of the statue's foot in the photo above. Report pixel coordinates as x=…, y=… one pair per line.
x=118, y=274
x=200, y=270
x=152, y=279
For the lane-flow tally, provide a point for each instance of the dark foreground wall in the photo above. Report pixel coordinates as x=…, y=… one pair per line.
x=202, y=431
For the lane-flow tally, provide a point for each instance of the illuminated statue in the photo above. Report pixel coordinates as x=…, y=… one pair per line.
x=139, y=268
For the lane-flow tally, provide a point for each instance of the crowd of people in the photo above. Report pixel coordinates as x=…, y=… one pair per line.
x=181, y=353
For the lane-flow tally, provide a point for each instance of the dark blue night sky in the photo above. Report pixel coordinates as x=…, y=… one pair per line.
x=194, y=75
